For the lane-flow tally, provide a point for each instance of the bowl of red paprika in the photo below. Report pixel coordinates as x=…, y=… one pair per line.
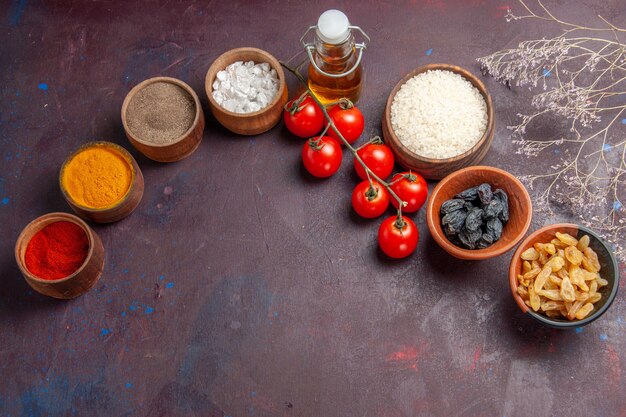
x=59, y=255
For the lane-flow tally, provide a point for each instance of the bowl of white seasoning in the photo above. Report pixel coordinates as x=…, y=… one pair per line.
x=246, y=89
x=439, y=119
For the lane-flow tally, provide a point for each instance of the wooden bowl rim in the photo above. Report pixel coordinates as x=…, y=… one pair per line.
x=133, y=92
x=61, y=216
x=274, y=63
x=529, y=240
x=476, y=254
x=125, y=154
x=475, y=81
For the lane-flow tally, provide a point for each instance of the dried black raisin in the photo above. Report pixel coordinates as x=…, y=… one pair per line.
x=452, y=222
x=468, y=195
x=504, y=199
x=493, y=209
x=484, y=193
x=494, y=228
x=451, y=205
x=485, y=241
x=474, y=219
x=470, y=238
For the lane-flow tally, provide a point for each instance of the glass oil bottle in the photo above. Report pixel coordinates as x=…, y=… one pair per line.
x=335, y=68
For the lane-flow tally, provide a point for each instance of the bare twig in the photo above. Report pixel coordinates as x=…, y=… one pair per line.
x=583, y=75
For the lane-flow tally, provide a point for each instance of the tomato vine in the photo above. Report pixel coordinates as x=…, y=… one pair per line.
x=331, y=125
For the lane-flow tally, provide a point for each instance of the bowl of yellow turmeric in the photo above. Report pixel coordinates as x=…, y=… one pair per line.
x=101, y=182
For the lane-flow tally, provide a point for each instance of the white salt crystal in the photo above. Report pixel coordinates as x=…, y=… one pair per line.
x=245, y=87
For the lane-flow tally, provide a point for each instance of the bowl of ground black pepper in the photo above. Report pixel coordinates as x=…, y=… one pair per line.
x=59, y=255
x=163, y=119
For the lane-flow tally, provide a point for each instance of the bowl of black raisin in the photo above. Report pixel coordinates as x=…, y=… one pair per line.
x=479, y=212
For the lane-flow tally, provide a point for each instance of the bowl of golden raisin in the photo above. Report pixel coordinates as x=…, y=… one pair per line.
x=564, y=276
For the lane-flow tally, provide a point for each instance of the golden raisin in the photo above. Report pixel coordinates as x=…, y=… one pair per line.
x=567, y=290
x=584, y=311
x=530, y=254
x=583, y=243
x=567, y=239
x=573, y=255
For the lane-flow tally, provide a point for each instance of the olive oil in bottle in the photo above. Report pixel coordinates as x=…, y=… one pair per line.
x=335, y=69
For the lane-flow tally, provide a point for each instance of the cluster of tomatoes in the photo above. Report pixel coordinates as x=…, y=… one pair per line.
x=322, y=155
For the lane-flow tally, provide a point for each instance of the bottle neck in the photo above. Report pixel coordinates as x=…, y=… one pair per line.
x=335, y=53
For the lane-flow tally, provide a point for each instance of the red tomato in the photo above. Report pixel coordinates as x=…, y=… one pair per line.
x=370, y=202
x=378, y=158
x=349, y=121
x=306, y=121
x=397, y=240
x=410, y=187
x=322, y=157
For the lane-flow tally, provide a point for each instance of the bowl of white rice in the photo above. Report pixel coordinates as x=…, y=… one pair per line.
x=438, y=119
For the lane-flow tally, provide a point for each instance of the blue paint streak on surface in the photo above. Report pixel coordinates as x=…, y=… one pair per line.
x=123, y=314
x=604, y=337
x=43, y=86
x=275, y=313
x=5, y=201
x=624, y=121
x=104, y=332
x=169, y=285
x=429, y=52
x=253, y=394
x=149, y=310
x=161, y=277
x=617, y=205
x=132, y=307
x=579, y=330
x=128, y=385
x=17, y=12
x=606, y=147
x=546, y=72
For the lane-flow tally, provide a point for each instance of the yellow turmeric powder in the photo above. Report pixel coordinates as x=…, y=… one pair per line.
x=97, y=177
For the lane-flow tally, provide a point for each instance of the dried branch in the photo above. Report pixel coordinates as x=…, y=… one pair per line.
x=582, y=73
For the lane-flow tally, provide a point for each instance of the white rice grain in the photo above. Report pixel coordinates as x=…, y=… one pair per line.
x=438, y=114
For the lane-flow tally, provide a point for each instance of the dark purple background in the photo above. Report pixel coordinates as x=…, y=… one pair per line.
x=240, y=286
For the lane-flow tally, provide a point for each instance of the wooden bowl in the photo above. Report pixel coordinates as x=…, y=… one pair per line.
x=438, y=168
x=247, y=123
x=181, y=147
x=609, y=271
x=520, y=209
x=82, y=280
x=122, y=208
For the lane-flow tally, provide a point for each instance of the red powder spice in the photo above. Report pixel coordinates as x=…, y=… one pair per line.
x=57, y=250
